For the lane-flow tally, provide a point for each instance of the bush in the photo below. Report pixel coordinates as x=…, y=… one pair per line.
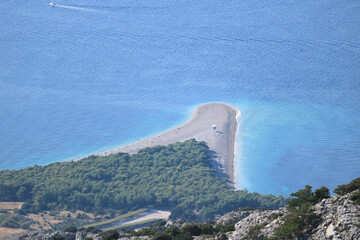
x=173, y=231
x=90, y=230
x=71, y=229
x=57, y=238
x=109, y=235
x=321, y=193
x=25, y=225
x=356, y=198
x=11, y=222
x=162, y=236
x=307, y=196
x=225, y=228
x=194, y=229
x=348, y=188
x=207, y=229
x=184, y=236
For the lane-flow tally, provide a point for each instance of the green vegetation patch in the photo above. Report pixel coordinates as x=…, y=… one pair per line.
x=179, y=177
x=3, y=217
x=348, y=188
x=302, y=217
x=14, y=221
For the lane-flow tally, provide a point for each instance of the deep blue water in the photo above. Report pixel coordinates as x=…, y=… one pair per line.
x=88, y=75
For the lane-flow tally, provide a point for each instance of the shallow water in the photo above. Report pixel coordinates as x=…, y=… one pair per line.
x=85, y=76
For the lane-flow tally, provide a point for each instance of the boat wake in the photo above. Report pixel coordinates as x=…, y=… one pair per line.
x=76, y=8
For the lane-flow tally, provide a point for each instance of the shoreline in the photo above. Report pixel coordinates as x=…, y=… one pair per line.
x=221, y=142
x=236, y=148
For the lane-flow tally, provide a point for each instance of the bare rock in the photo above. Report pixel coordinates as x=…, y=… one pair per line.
x=233, y=217
x=339, y=219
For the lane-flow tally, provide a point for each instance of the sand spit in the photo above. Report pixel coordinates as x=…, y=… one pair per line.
x=221, y=141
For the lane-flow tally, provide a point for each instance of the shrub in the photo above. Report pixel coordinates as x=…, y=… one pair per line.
x=225, y=228
x=57, y=238
x=207, y=229
x=356, y=198
x=11, y=222
x=162, y=236
x=348, y=188
x=194, y=229
x=25, y=225
x=109, y=235
x=173, y=231
x=71, y=229
x=184, y=236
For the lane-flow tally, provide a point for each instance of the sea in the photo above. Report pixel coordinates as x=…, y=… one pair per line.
x=84, y=76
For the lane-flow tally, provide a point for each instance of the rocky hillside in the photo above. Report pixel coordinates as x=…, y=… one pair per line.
x=308, y=215
x=338, y=218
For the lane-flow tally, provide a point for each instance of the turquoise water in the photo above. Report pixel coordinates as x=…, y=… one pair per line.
x=85, y=76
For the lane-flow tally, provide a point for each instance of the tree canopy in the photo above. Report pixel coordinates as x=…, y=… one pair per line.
x=179, y=177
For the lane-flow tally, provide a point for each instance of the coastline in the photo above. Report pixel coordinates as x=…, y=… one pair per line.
x=221, y=142
x=236, y=149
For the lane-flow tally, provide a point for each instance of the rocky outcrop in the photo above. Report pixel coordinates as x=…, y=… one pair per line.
x=258, y=223
x=336, y=218
x=53, y=235
x=135, y=238
x=233, y=217
x=76, y=236
x=339, y=219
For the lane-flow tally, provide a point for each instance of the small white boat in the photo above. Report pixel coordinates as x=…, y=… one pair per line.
x=52, y=4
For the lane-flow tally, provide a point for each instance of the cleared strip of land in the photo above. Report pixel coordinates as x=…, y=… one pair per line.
x=137, y=217
x=220, y=141
x=122, y=217
x=148, y=217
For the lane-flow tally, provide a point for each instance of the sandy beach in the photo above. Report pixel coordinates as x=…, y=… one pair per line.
x=221, y=141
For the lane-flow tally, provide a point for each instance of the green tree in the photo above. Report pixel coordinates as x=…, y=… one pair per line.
x=110, y=235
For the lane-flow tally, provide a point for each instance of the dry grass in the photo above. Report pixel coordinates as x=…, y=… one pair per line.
x=44, y=220
x=10, y=205
x=10, y=231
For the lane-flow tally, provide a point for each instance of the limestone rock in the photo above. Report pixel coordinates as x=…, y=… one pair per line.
x=339, y=219
x=233, y=217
